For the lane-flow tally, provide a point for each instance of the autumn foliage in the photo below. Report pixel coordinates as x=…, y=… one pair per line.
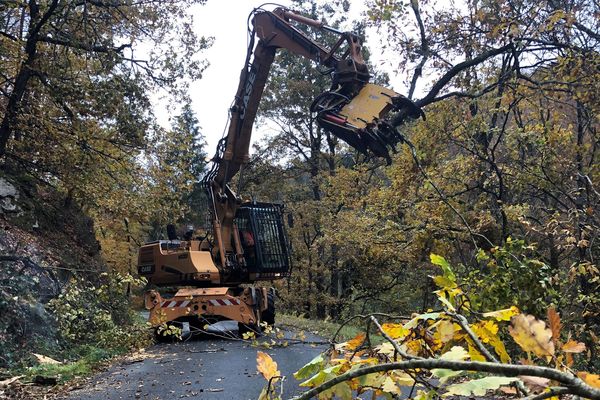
x=444, y=353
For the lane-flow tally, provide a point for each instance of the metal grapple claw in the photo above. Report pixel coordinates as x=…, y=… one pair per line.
x=368, y=122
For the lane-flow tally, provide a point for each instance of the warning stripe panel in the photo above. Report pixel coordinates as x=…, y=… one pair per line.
x=215, y=302
x=174, y=303
x=224, y=302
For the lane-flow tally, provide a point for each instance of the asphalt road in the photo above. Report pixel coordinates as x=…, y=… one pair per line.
x=203, y=369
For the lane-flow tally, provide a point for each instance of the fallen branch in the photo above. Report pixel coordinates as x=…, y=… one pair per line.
x=573, y=384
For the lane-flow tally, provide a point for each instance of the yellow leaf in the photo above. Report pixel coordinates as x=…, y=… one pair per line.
x=456, y=353
x=485, y=330
x=444, y=332
x=374, y=380
x=555, y=324
x=266, y=366
x=488, y=333
x=532, y=335
x=502, y=315
x=414, y=347
x=442, y=298
x=590, y=379
x=395, y=331
x=498, y=346
x=573, y=347
x=474, y=354
x=386, y=349
x=402, y=378
x=444, y=282
x=390, y=386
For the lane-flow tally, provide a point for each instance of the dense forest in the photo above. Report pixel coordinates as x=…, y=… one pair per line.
x=497, y=185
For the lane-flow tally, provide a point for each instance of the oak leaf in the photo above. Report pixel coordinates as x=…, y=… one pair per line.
x=474, y=353
x=591, y=379
x=487, y=331
x=266, y=366
x=573, y=347
x=532, y=335
x=555, y=324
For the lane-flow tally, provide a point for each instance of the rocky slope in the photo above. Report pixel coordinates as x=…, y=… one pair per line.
x=43, y=242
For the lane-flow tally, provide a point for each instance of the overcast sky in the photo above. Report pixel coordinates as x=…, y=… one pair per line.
x=212, y=95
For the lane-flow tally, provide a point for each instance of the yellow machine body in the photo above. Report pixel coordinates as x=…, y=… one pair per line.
x=174, y=262
x=372, y=103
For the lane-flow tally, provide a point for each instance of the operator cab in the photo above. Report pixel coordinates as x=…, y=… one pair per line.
x=263, y=239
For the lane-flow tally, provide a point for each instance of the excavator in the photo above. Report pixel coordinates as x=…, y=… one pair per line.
x=217, y=274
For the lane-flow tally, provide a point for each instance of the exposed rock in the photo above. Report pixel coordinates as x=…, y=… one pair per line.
x=9, y=195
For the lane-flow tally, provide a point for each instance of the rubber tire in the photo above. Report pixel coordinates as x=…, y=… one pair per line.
x=268, y=315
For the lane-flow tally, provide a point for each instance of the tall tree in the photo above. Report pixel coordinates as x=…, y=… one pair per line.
x=76, y=76
x=312, y=157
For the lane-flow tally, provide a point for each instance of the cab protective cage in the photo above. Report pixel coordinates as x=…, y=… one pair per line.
x=263, y=238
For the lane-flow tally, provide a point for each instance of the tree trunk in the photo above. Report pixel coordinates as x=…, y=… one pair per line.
x=24, y=74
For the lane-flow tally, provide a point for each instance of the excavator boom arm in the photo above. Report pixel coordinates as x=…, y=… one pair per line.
x=352, y=109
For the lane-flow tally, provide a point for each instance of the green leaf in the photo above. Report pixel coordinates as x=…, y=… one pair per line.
x=445, y=374
x=441, y=262
x=310, y=368
x=322, y=376
x=341, y=391
x=478, y=387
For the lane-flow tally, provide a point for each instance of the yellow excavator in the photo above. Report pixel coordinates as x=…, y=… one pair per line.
x=247, y=243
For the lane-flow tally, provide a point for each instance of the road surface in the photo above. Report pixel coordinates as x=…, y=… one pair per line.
x=202, y=369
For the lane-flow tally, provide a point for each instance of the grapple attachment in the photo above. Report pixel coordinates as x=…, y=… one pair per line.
x=368, y=122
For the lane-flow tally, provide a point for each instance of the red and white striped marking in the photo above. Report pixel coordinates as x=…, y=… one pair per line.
x=225, y=302
x=174, y=304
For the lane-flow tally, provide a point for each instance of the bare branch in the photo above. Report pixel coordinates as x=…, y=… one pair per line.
x=455, y=70
x=84, y=46
x=393, y=342
x=464, y=324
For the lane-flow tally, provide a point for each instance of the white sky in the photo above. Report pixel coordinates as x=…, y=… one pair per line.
x=212, y=95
